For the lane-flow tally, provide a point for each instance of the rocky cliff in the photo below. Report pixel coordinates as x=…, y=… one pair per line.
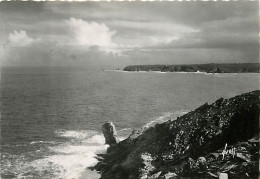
x=222, y=137
x=208, y=68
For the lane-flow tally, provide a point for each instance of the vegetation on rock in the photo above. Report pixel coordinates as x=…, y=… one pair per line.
x=208, y=68
x=216, y=138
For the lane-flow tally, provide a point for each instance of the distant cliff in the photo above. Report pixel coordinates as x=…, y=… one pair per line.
x=222, y=137
x=208, y=68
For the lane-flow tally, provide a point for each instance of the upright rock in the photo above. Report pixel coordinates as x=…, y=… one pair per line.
x=110, y=133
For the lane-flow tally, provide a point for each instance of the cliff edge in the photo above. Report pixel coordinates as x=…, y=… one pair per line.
x=222, y=137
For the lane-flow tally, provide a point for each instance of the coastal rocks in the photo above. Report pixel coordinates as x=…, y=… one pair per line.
x=237, y=161
x=156, y=175
x=215, y=138
x=110, y=133
x=198, y=167
x=148, y=167
x=169, y=175
x=135, y=134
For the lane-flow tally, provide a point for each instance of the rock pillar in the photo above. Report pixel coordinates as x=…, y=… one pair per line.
x=110, y=133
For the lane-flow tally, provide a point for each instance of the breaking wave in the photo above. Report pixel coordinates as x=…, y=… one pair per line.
x=165, y=117
x=69, y=159
x=60, y=160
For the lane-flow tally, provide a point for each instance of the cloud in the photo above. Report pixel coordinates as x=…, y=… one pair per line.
x=185, y=56
x=19, y=38
x=103, y=33
x=234, y=34
x=233, y=39
x=90, y=33
x=141, y=33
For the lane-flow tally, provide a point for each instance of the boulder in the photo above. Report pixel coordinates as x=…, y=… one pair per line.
x=110, y=133
x=202, y=163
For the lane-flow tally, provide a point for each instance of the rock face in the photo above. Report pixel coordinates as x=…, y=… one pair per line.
x=110, y=133
x=222, y=137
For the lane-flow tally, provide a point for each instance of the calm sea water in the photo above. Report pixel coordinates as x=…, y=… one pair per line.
x=51, y=117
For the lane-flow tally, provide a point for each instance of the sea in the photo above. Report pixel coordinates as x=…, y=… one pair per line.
x=51, y=117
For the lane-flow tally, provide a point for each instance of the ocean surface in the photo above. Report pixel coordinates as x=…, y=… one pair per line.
x=51, y=118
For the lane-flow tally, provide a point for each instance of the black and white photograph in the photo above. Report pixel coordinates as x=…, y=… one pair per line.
x=129, y=89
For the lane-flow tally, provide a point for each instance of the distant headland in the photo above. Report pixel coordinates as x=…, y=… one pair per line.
x=206, y=68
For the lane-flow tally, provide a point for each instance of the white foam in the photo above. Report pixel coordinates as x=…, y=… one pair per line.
x=165, y=117
x=158, y=120
x=71, y=160
x=124, y=129
x=122, y=138
x=79, y=149
x=74, y=160
x=57, y=166
x=67, y=160
x=36, y=142
x=79, y=134
x=159, y=72
x=96, y=139
x=42, y=142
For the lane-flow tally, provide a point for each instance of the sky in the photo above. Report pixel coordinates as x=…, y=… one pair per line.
x=116, y=34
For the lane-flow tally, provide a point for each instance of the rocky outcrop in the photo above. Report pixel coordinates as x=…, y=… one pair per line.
x=110, y=133
x=222, y=137
x=208, y=68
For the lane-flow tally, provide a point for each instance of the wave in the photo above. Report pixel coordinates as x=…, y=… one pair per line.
x=58, y=160
x=69, y=159
x=42, y=142
x=165, y=117
x=96, y=139
x=78, y=134
x=72, y=159
x=124, y=129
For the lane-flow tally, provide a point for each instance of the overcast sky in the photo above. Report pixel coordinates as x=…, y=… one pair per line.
x=123, y=33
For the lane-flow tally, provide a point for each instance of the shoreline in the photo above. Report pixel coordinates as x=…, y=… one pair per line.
x=185, y=147
x=179, y=72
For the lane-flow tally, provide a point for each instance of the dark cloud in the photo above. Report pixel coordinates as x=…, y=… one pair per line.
x=16, y=7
